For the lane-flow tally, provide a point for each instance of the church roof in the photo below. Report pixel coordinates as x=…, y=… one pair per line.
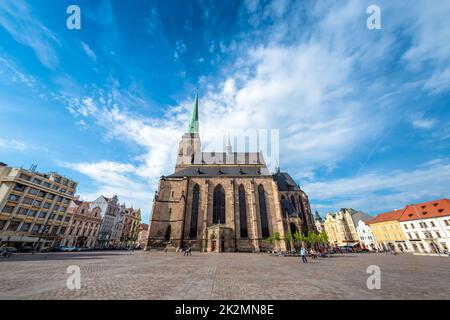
x=218, y=171
x=285, y=182
x=235, y=158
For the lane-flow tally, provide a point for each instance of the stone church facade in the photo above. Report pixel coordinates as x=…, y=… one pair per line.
x=225, y=201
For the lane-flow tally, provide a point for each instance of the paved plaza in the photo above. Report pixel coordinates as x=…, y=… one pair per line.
x=159, y=275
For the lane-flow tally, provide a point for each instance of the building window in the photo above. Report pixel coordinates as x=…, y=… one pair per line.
x=194, y=212
x=27, y=200
x=63, y=230
x=8, y=209
x=32, y=213
x=13, y=197
x=243, y=212
x=2, y=224
x=168, y=231
x=24, y=177
x=33, y=191
x=22, y=211
x=432, y=224
x=263, y=212
x=293, y=203
x=19, y=187
x=13, y=225
x=219, y=205
x=25, y=227
x=42, y=215
x=406, y=226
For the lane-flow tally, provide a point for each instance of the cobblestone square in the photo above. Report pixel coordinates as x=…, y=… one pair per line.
x=158, y=275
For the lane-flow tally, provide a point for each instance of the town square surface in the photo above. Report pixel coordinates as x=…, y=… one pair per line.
x=158, y=275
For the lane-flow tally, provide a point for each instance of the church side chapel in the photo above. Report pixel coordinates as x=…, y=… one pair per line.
x=225, y=201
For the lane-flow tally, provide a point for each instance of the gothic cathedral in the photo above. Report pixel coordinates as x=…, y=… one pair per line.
x=225, y=202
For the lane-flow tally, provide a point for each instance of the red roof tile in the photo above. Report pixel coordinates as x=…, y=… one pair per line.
x=387, y=216
x=426, y=210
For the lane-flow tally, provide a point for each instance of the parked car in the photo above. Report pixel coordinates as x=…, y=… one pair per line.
x=10, y=249
x=68, y=249
x=26, y=249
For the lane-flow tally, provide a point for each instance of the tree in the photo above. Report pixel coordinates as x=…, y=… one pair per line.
x=323, y=237
x=276, y=237
x=297, y=237
x=288, y=238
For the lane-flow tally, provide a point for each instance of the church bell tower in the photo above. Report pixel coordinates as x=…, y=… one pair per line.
x=189, y=149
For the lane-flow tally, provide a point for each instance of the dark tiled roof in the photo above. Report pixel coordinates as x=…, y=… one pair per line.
x=229, y=158
x=359, y=215
x=285, y=182
x=218, y=171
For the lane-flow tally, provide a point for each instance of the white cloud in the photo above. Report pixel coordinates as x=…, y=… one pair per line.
x=378, y=191
x=424, y=123
x=113, y=178
x=89, y=52
x=310, y=89
x=180, y=49
x=17, y=18
x=14, y=145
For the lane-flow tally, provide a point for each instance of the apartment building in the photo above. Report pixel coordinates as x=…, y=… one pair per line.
x=84, y=225
x=387, y=231
x=109, y=210
x=427, y=226
x=341, y=227
x=33, y=207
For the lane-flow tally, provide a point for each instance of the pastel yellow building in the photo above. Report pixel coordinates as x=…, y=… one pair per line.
x=387, y=231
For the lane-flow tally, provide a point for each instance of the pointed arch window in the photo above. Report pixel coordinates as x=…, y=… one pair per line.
x=219, y=205
x=293, y=228
x=168, y=231
x=194, y=212
x=293, y=203
x=263, y=212
x=243, y=212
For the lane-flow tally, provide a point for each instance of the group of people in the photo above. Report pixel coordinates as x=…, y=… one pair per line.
x=186, y=251
x=313, y=253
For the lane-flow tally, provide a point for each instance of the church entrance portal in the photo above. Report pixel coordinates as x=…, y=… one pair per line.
x=220, y=239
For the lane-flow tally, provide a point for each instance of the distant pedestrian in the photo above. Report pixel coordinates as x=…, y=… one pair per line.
x=303, y=255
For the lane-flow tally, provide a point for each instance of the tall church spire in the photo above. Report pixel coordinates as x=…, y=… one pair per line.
x=193, y=125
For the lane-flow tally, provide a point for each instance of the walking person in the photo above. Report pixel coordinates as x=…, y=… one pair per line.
x=303, y=255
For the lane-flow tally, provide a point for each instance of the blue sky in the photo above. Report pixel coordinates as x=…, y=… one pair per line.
x=363, y=115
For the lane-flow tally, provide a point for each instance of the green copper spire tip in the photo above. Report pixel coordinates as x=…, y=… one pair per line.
x=193, y=125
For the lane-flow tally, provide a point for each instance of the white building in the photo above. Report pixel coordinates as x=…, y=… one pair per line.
x=427, y=226
x=109, y=210
x=365, y=235
x=117, y=228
